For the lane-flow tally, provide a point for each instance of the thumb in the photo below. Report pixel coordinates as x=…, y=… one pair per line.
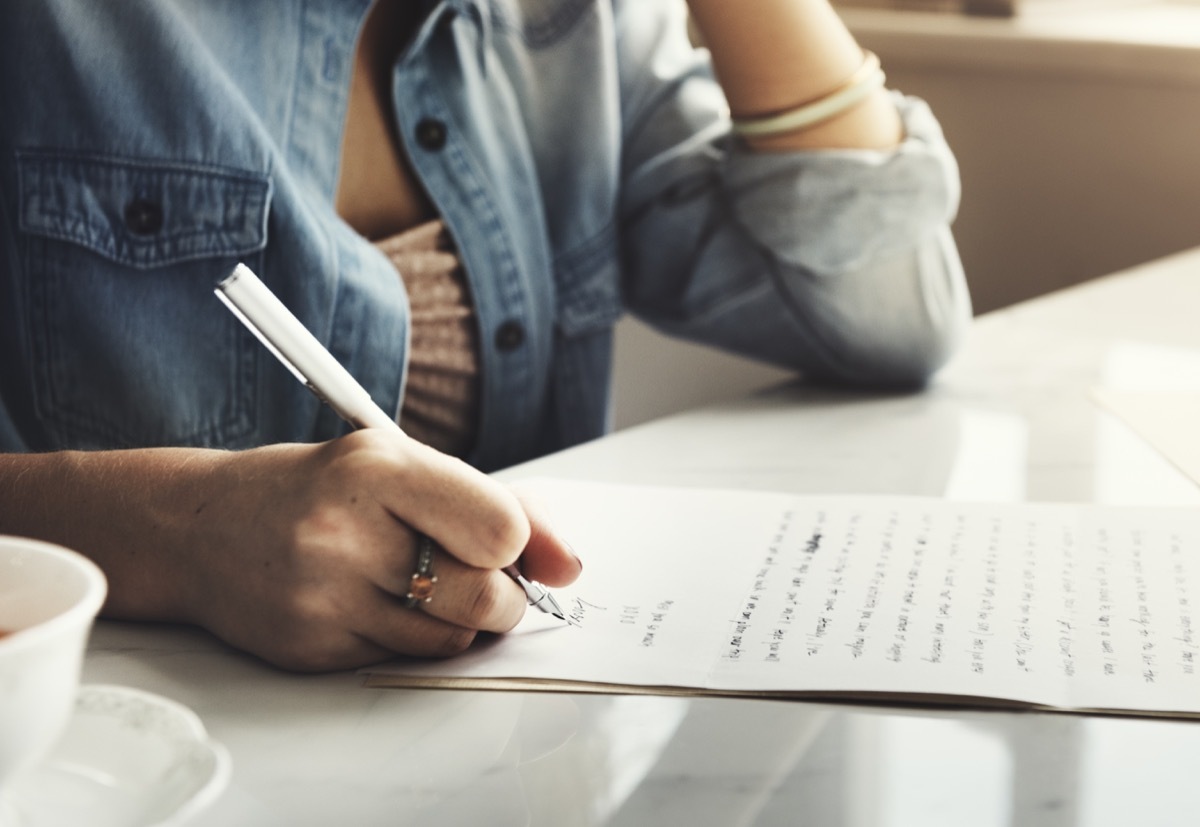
x=547, y=557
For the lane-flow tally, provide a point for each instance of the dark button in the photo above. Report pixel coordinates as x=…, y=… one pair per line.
x=509, y=336
x=143, y=217
x=431, y=134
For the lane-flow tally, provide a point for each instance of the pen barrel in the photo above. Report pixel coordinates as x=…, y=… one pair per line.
x=290, y=341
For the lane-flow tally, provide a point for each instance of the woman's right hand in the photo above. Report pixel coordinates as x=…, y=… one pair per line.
x=318, y=547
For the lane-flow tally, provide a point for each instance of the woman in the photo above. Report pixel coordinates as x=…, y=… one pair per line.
x=458, y=198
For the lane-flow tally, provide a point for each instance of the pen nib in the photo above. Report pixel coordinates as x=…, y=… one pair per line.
x=548, y=604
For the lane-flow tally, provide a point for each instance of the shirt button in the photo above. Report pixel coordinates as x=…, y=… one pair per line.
x=143, y=217
x=431, y=134
x=510, y=336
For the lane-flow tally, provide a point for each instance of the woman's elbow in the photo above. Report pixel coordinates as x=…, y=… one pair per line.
x=904, y=323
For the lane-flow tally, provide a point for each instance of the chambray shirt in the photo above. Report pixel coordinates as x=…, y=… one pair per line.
x=578, y=150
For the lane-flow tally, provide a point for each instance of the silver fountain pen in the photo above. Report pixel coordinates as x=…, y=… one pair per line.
x=300, y=352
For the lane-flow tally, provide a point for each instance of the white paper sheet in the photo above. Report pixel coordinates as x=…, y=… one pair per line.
x=1169, y=420
x=733, y=592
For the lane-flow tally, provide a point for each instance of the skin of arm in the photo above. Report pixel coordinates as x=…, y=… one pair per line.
x=773, y=55
x=297, y=553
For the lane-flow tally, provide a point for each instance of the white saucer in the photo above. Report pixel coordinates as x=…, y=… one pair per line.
x=127, y=759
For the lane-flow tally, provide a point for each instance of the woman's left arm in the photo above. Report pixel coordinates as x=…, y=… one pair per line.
x=827, y=248
x=771, y=56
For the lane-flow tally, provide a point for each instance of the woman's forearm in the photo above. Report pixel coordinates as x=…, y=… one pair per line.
x=129, y=511
x=773, y=55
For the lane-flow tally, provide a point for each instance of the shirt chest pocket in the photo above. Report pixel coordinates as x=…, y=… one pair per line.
x=119, y=258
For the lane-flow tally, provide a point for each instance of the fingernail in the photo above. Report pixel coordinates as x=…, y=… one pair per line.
x=571, y=549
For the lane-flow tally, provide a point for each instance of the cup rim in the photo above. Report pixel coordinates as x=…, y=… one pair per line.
x=82, y=612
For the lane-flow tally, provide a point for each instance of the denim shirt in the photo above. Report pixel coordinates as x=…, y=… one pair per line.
x=578, y=150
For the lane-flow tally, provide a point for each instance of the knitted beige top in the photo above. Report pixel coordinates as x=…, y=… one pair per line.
x=441, y=397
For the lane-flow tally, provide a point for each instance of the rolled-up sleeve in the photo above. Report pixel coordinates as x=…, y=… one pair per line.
x=838, y=263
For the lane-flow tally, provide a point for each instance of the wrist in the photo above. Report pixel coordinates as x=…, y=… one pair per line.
x=149, y=518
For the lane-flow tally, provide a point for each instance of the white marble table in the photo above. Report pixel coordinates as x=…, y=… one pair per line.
x=1009, y=420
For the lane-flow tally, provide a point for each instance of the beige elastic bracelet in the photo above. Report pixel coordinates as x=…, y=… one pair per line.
x=868, y=78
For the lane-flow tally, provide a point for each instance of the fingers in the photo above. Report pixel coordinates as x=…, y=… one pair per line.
x=440, y=610
x=547, y=558
x=364, y=622
x=473, y=517
x=462, y=595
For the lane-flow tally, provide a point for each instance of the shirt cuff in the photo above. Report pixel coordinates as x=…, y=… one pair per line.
x=832, y=210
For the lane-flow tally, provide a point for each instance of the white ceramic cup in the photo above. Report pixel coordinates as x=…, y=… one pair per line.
x=49, y=597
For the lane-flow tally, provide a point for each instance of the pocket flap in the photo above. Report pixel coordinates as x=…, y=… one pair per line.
x=143, y=214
